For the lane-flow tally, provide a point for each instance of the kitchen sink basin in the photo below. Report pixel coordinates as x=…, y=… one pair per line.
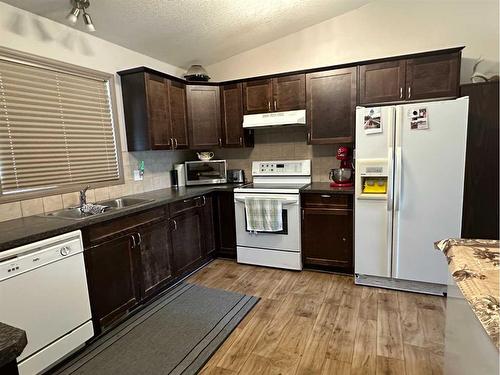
x=124, y=202
x=74, y=213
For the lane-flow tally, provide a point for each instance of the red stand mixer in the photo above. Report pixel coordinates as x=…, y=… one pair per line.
x=342, y=177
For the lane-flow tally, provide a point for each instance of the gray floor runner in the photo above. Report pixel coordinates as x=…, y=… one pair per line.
x=177, y=334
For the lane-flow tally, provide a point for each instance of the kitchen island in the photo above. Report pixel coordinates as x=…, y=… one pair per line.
x=472, y=309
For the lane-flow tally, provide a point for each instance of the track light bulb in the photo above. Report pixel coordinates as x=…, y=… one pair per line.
x=73, y=15
x=88, y=22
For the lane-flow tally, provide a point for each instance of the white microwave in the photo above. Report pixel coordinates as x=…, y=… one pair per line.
x=205, y=172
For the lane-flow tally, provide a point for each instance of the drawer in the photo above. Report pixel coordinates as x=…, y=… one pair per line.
x=113, y=228
x=178, y=207
x=327, y=200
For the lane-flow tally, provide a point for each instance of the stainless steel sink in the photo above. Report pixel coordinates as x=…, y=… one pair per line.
x=124, y=202
x=74, y=213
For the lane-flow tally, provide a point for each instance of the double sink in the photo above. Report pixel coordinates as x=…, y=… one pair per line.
x=75, y=213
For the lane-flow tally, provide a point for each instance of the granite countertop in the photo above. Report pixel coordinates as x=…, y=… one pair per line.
x=474, y=265
x=325, y=188
x=28, y=229
x=12, y=343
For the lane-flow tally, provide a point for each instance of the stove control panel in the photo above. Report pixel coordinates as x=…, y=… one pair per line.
x=281, y=168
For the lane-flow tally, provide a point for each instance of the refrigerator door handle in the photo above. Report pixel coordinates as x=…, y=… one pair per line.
x=398, y=177
x=390, y=161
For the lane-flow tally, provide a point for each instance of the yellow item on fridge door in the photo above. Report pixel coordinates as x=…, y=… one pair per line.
x=375, y=186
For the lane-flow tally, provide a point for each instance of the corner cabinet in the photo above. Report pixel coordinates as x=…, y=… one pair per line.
x=418, y=78
x=155, y=112
x=331, y=106
x=327, y=231
x=204, y=124
x=284, y=93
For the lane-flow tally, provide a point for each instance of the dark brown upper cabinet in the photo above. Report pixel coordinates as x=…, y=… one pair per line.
x=285, y=93
x=382, y=82
x=233, y=134
x=178, y=114
x=331, y=106
x=155, y=112
x=257, y=96
x=289, y=92
x=433, y=77
x=419, y=78
x=204, y=116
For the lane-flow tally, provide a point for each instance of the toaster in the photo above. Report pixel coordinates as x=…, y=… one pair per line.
x=235, y=175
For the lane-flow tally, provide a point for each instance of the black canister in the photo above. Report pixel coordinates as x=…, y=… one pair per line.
x=174, y=179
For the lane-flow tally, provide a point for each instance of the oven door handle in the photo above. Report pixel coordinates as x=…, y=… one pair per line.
x=284, y=202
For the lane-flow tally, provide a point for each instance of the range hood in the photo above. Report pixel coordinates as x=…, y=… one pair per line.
x=266, y=120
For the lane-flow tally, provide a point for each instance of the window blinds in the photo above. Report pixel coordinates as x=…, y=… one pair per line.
x=56, y=129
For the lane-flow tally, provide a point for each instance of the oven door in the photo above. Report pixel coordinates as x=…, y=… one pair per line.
x=288, y=239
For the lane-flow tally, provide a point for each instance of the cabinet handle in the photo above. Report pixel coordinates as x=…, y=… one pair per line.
x=302, y=214
x=409, y=92
x=175, y=225
x=325, y=196
x=175, y=147
x=275, y=105
x=133, y=241
x=171, y=143
x=400, y=93
x=187, y=200
x=344, y=239
x=220, y=142
x=204, y=201
x=308, y=137
x=140, y=239
x=241, y=141
x=269, y=105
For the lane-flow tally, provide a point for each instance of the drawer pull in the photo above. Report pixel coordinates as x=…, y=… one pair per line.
x=175, y=224
x=325, y=196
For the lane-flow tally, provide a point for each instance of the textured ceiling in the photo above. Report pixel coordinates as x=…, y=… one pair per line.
x=182, y=32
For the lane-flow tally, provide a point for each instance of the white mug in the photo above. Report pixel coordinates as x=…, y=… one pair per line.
x=205, y=155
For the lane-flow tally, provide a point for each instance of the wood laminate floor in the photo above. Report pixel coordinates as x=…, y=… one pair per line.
x=318, y=323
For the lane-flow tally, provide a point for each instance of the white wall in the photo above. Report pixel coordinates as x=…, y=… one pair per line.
x=28, y=32
x=379, y=29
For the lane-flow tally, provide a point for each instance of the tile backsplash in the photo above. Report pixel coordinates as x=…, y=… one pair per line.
x=156, y=176
x=284, y=143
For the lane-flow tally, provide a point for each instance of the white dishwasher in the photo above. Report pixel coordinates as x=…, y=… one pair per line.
x=43, y=290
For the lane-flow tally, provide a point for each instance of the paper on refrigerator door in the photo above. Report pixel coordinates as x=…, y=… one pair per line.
x=373, y=121
x=418, y=118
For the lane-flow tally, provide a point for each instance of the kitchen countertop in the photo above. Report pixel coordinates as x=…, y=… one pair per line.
x=18, y=232
x=12, y=343
x=324, y=188
x=474, y=265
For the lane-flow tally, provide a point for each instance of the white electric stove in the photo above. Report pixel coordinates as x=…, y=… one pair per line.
x=273, y=180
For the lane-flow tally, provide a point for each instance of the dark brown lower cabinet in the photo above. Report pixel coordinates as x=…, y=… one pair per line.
x=155, y=257
x=327, y=234
x=226, y=226
x=187, y=240
x=208, y=224
x=112, y=281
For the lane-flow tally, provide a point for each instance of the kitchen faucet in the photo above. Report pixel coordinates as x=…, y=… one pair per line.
x=83, y=196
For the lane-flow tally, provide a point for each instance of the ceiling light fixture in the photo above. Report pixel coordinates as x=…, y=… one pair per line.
x=80, y=6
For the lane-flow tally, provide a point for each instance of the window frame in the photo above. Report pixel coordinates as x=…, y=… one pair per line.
x=26, y=58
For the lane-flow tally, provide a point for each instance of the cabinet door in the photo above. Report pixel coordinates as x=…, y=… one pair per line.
x=110, y=272
x=178, y=115
x=382, y=82
x=232, y=115
x=204, y=116
x=156, y=270
x=433, y=77
x=158, y=112
x=257, y=96
x=289, y=93
x=331, y=106
x=208, y=223
x=327, y=238
x=187, y=241
x=226, y=225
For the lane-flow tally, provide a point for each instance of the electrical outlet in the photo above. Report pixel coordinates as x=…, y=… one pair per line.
x=138, y=176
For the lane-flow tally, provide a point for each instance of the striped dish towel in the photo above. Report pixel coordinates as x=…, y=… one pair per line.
x=264, y=215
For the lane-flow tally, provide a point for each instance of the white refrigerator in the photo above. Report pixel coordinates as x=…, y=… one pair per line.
x=409, y=177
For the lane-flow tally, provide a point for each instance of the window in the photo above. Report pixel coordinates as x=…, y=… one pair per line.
x=56, y=128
